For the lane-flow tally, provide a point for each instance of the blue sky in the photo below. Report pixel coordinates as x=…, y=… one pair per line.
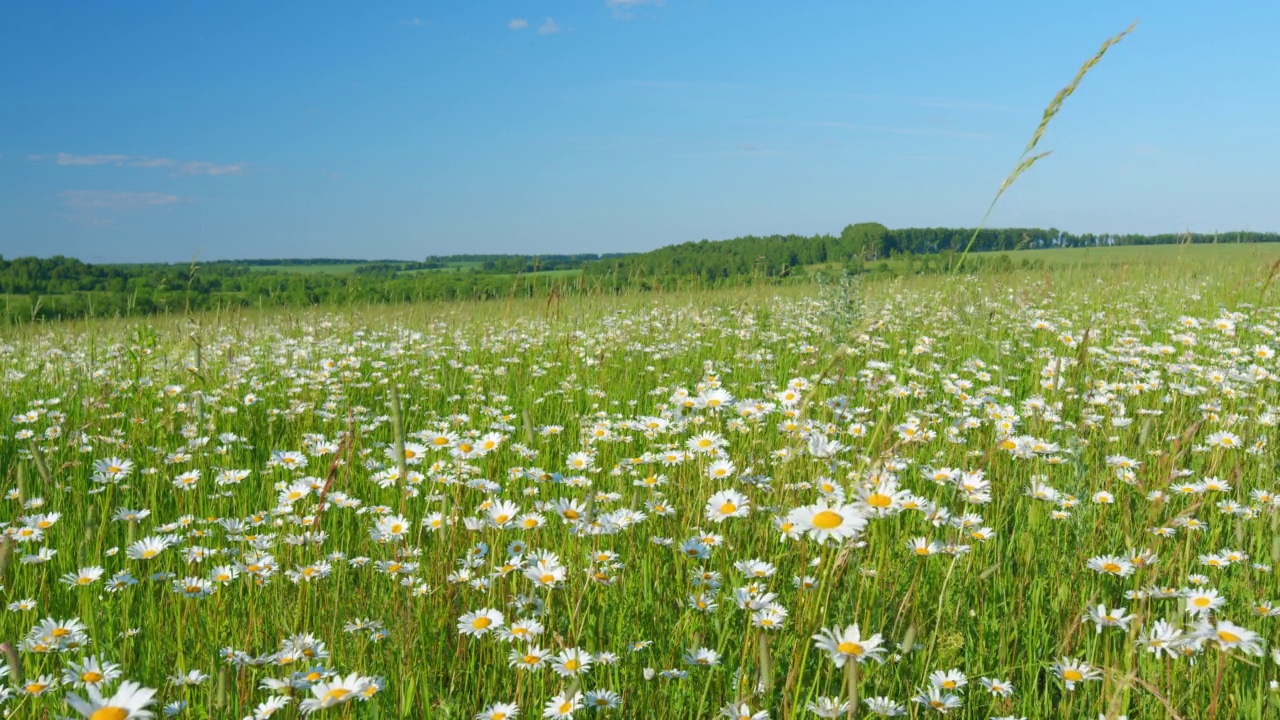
x=162, y=130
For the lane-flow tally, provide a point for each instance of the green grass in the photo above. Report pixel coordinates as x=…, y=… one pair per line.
x=888, y=367
x=1152, y=254
x=322, y=268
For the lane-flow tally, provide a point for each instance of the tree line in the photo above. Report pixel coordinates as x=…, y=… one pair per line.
x=859, y=247
x=60, y=287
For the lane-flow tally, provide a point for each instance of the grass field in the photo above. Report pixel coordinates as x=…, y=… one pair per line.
x=1036, y=494
x=326, y=268
x=344, y=268
x=1146, y=255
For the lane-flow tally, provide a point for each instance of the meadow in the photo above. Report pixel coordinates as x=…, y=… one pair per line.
x=1032, y=494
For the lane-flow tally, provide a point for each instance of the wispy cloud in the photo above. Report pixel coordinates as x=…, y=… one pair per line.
x=690, y=85
x=623, y=9
x=936, y=103
x=412, y=22
x=882, y=129
x=550, y=27
x=518, y=24
x=115, y=199
x=192, y=167
x=907, y=130
x=201, y=167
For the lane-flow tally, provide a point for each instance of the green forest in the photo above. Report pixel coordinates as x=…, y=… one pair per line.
x=60, y=287
x=868, y=247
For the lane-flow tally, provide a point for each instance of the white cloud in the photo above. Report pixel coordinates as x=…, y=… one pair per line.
x=548, y=28
x=115, y=199
x=201, y=167
x=518, y=24
x=622, y=8
x=118, y=160
x=192, y=167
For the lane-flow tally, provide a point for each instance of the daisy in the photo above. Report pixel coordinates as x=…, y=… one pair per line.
x=268, y=708
x=1072, y=671
x=562, y=705
x=603, y=700
x=726, y=504
x=40, y=685
x=327, y=694
x=90, y=672
x=1102, y=617
x=1110, y=565
x=1229, y=636
x=880, y=705
x=937, y=700
x=705, y=657
x=530, y=659
x=83, y=577
x=1202, y=602
x=147, y=547
x=950, y=680
x=390, y=527
x=571, y=661
x=997, y=688
x=720, y=470
x=742, y=711
x=823, y=522
x=829, y=707
x=845, y=644
x=480, y=622
x=1162, y=638
x=129, y=701
x=499, y=711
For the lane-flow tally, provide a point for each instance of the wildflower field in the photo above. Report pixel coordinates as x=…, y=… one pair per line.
x=1026, y=495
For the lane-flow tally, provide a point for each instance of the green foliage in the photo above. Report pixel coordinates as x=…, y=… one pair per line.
x=924, y=372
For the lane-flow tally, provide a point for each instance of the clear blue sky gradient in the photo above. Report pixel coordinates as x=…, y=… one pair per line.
x=158, y=130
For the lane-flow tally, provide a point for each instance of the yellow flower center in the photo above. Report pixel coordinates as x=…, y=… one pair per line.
x=1227, y=636
x=879, y=500
x=1072, y=675
x=1202, y=602
x=91, y=677
x=728, y=509
x=850, y=648
x=109, y=713
x=481, y=623
x=827, y=520
x=336, y=694
x=1111, y=567
x=572, y=664
x=571, y=514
